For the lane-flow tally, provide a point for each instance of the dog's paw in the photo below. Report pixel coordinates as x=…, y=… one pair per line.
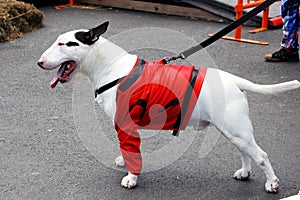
x=119, y=161
x=272, y=186
x=241, y=174
x=129, y=181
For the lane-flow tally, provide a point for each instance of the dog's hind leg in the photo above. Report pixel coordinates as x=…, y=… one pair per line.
x=224, y=105
x=237, y=127
x=244, y=172
x=243, y=139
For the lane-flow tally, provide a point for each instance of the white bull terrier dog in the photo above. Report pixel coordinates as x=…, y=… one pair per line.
x=106, y=64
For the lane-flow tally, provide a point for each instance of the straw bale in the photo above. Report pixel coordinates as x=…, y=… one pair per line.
x=18, y=18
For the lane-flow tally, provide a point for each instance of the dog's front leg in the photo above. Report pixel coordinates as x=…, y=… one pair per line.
x=131, y=155
x=129, y=181
x=119, y=161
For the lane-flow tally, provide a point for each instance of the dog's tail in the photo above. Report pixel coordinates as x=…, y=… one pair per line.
x=246, y=85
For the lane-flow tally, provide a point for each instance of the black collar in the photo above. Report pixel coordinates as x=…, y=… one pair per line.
x=108, y=86
x=138, y=68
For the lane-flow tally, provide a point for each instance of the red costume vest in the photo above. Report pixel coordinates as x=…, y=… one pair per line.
x=154, y=96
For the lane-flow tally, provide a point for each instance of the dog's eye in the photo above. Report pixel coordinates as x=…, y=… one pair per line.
x=72, y=44
x=60, y=44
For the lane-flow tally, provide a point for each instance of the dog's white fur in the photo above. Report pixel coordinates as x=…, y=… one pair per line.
x=222, y=101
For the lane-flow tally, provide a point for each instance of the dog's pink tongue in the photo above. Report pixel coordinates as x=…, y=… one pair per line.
x=57, y=76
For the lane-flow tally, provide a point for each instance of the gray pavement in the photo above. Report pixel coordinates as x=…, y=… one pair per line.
x=43, y=157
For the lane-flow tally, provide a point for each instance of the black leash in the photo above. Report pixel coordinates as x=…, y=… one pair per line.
x=222, y=32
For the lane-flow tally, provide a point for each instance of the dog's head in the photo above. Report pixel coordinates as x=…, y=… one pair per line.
x=68, y=51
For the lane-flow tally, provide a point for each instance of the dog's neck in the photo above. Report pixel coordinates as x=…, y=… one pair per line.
x=106, y=62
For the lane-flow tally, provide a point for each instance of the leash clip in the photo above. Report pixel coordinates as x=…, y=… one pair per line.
x=167, y=60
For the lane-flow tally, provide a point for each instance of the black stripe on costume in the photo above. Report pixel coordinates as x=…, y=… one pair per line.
x=143, y=104
x=173, y=102
x=135, y=74
x=186, y=101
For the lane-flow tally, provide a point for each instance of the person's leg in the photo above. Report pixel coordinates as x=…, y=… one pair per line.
x=290, y=19
x=289, y=44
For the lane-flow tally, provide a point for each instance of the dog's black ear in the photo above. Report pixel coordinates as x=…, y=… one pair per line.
x=99, y=30
x=92, y=35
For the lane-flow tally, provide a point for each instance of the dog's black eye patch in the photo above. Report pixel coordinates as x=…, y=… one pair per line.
x=85, y=38
x=72, y=44
x=69, y=44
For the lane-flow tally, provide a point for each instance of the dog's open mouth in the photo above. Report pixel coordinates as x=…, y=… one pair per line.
x=64, y=72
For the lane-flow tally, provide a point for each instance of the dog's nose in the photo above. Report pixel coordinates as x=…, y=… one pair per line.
x=40, y=63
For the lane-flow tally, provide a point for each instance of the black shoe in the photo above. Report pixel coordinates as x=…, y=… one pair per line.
x=283, y=55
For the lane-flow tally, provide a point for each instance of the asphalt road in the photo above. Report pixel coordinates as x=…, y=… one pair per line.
x=43, y=154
